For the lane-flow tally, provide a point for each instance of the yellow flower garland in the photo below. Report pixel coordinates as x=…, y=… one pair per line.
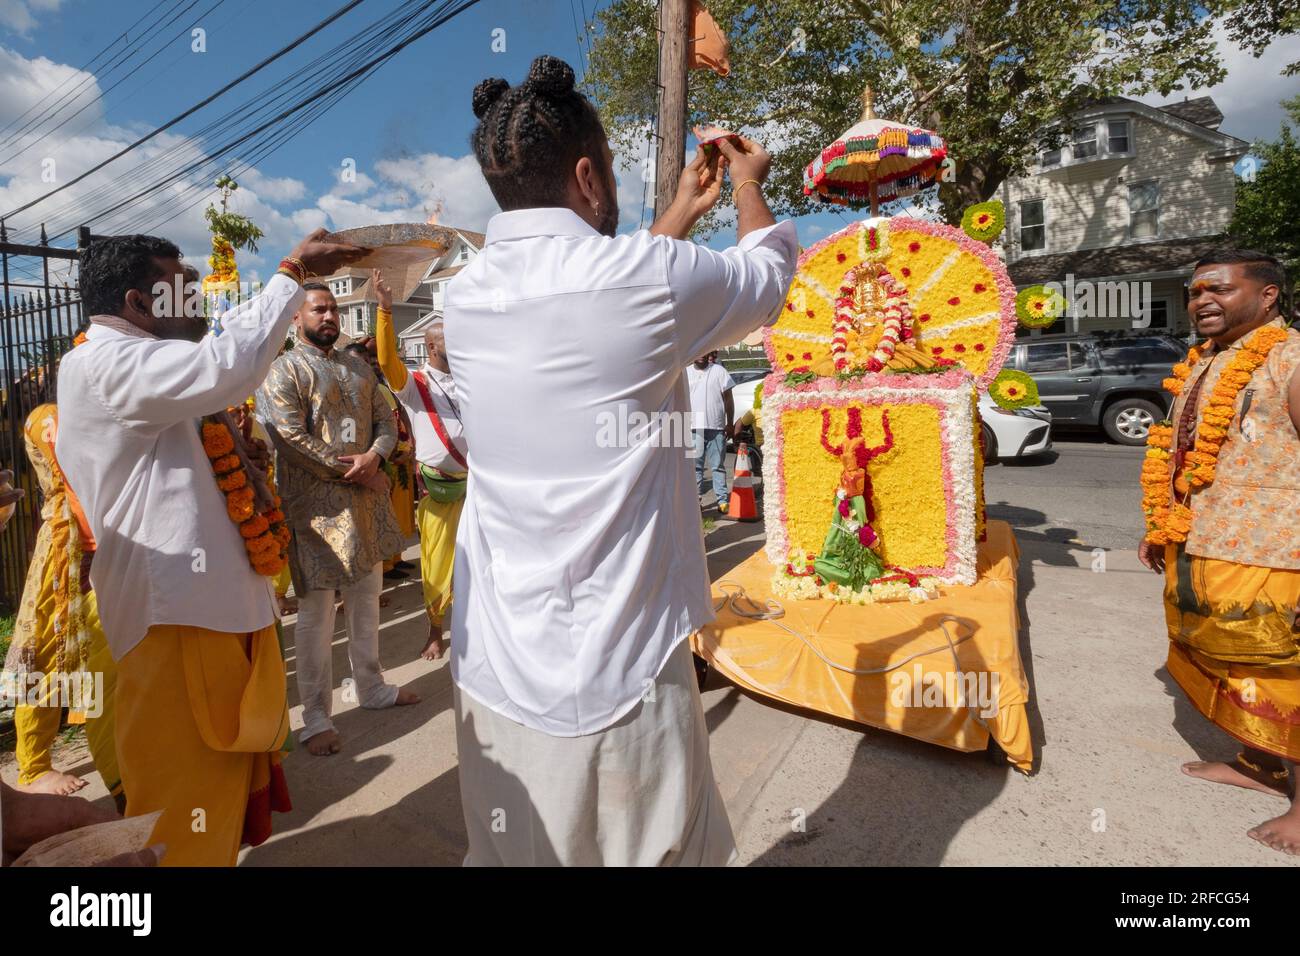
x=1170, y=520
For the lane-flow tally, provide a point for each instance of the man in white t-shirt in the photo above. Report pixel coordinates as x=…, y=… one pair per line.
x=711, y=415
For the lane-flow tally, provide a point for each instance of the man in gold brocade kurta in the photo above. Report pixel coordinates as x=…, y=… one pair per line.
x=332, y=431
x=1222, y=492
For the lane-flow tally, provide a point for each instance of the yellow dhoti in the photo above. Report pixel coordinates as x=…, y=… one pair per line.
x=201, y=719
x=1233, y=648
x=438, y=523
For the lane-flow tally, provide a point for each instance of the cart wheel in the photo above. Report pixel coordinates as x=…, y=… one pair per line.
x=997, y=756
x=701, y=670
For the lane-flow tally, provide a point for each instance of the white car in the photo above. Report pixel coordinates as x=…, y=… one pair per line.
x=1017, y=433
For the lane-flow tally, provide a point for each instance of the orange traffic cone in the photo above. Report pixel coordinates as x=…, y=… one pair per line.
x=742, y=506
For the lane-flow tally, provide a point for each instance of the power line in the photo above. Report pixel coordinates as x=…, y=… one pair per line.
x=371, y=39
x=156, y=53
x=83, y=69
x=118, y=60
x=447, y=10
x=193, y=109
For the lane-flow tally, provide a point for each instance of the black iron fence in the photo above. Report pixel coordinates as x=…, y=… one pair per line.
x=40, y=313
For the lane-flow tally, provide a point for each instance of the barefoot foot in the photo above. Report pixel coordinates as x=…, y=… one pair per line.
x=1281, y=833
x=325, y=743
x=405, y=698
x=288, y=605
x=435, y=646
x=54, y=781
x=1232, y=774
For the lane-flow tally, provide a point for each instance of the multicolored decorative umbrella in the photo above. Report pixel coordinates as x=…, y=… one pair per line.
x=875, y=160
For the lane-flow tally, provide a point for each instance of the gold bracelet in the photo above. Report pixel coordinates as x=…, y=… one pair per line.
x=736, y=191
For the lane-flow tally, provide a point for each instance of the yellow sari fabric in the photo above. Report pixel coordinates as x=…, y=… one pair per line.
x=57, y=632
x=202, y=716
x=438, y=521
x=1233, y=648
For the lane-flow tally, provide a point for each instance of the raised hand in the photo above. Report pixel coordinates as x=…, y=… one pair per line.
x=382, y=291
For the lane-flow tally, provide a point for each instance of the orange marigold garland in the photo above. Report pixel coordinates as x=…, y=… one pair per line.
x=266, y=536
x=1169, y=520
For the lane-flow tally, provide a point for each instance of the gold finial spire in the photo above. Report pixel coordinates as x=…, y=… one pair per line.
x=867, y=101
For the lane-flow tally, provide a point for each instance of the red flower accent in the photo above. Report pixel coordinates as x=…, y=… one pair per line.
x=914, y=247
x=811, y=314
x=789, y=356
x=844, y=507
x=984, y=218
x=874, y=365
x=955, y=300
x=937, y=350
x=925, y=317
x=959, y=348
x=979, y=346
x=906, y=272
x=790, y=306
x=1012, y=391
x=806, y=355
x=980, y=287
x=841, y=257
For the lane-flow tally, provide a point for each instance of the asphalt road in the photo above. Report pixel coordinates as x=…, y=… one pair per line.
x=1084, y=492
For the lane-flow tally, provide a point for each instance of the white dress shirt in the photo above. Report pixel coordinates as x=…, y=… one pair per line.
x=129, y=444
x=429, y=447
x=580, y=561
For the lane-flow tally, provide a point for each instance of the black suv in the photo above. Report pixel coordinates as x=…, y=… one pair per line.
x=1107, y=379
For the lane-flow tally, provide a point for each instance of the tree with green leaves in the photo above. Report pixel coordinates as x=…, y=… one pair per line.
x=995, y=80
x=1254, y=24
x=1267, y=217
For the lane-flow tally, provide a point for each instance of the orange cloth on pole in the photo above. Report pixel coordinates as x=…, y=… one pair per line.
x=709, y=46
x=764, y=657
x=201, y=718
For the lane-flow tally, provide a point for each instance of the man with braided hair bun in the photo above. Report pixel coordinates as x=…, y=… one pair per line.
x=579, y=569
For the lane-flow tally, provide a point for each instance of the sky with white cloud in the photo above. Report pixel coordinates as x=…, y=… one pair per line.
x=396, y=150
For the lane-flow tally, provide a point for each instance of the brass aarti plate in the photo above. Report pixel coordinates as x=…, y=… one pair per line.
x=396, y=245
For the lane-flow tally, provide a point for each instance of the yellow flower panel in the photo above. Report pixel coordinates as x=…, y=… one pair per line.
x=911, y=509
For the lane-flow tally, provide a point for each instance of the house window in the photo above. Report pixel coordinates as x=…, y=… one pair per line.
x=1051, y=157
x=1117, y=136
x=462, y=255
x=1144, y=210
x=1158, y=315
x=1033, y=231
x=1085, y=141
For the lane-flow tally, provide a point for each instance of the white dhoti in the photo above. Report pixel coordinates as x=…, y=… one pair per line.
x=639, y=793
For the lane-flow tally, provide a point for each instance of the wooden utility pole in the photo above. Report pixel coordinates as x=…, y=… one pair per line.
x=674, y=29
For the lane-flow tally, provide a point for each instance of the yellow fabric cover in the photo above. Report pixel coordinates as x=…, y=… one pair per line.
x=438, y=523
x=201, y=717
x=763, y=657
x=1233, y=648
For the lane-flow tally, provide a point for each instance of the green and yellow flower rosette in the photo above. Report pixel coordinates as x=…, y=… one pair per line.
x=1012, y=390
x=1037, y=306
x=984, y=221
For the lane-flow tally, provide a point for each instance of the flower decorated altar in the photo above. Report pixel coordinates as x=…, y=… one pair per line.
x=879, y=556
